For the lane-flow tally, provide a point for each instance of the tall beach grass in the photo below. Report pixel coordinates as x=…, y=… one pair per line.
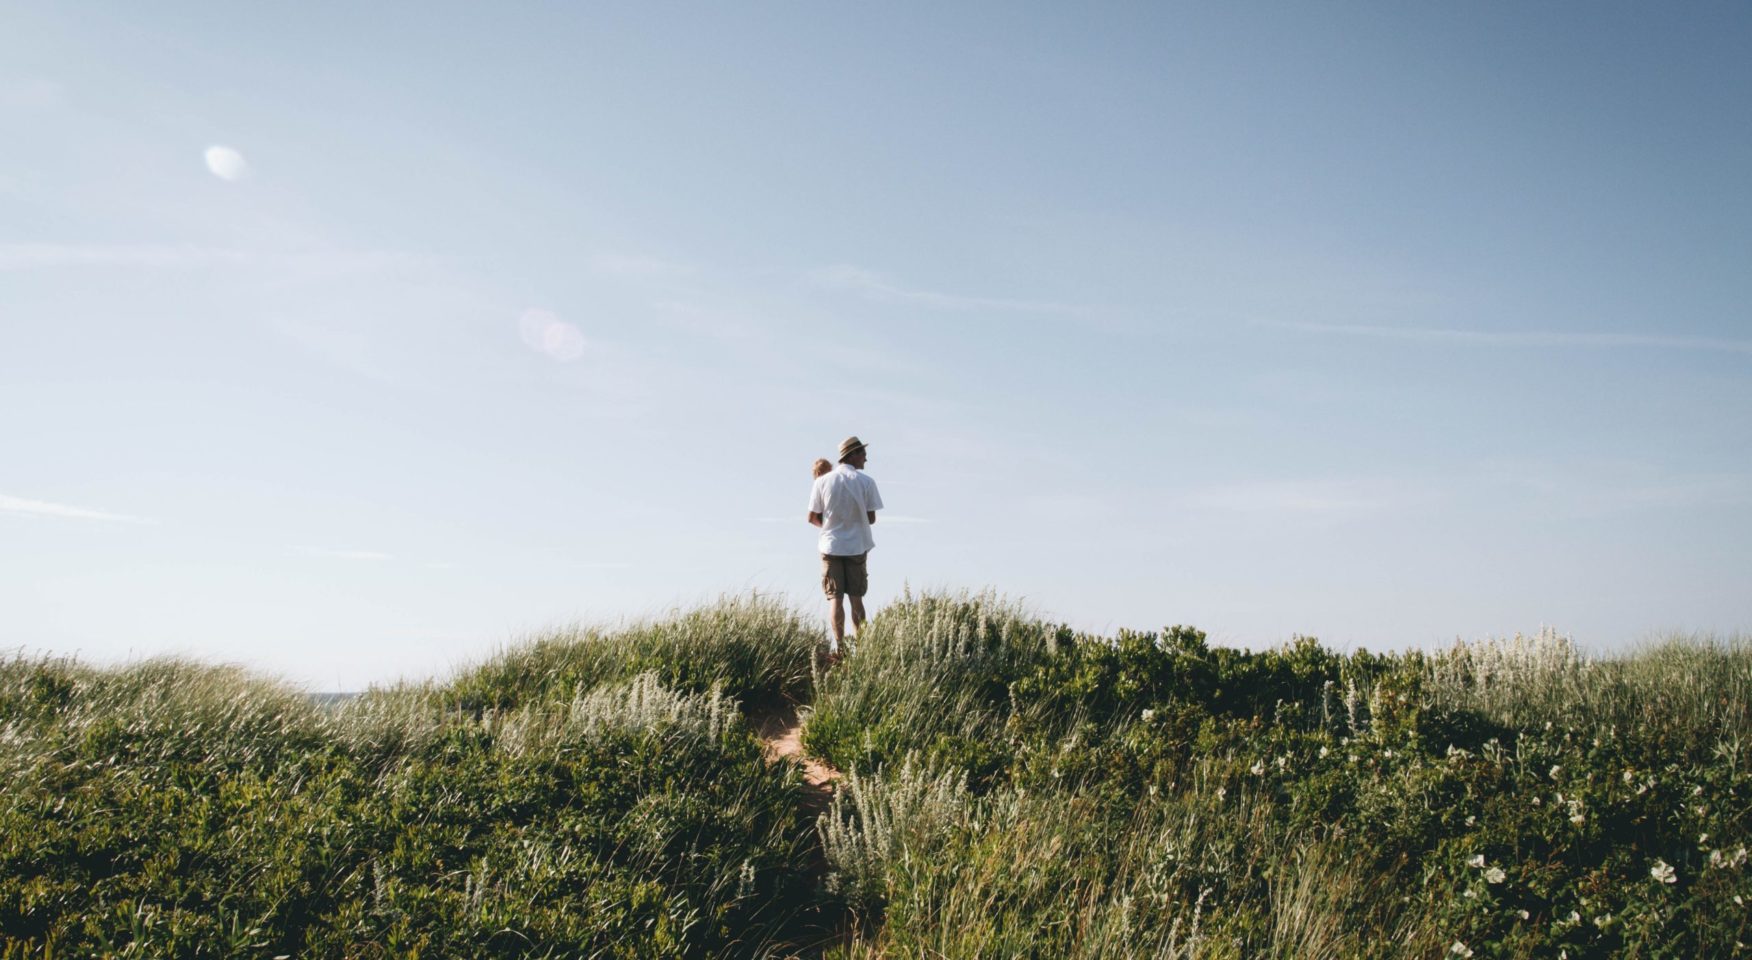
x=596, y=793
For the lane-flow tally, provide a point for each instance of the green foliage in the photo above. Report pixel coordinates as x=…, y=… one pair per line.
x=756, y=648
x=173, y=810
x=930, y=673
x=1513, y=798
x=1014, y=788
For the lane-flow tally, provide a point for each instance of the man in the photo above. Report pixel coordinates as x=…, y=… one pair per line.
x=843, y=503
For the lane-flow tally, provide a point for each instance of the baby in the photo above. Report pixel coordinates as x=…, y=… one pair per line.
x=821, y=467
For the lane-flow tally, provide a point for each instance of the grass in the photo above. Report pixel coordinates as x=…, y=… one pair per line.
x=1013, y=788
x=1024, y=790
x=562, y=800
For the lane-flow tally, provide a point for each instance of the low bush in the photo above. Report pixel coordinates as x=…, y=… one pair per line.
x=757, y=649
x=1508, y=799
x=1013, y=788
x=174, y=810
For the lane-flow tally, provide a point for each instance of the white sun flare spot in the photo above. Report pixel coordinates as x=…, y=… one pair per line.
x=226, y=164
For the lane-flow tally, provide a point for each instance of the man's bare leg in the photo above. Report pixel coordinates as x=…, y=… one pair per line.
x=858, y=614
x=837, y=617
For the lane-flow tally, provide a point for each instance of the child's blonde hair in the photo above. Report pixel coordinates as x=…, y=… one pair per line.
x=822, y=466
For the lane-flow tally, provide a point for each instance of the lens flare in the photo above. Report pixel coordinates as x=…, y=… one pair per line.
x=544, y=332
x=227, y=164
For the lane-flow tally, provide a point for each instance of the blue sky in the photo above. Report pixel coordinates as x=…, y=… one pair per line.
x=354, y=342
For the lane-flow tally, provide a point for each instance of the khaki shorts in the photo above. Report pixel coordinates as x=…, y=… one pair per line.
x=844, y=576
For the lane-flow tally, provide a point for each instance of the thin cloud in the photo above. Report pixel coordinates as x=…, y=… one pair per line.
x=1599, y=489
x=1523, y=338
x=45, y=508
x=875, y=287
x=369, y=555
x=33, y=93
x=1308, y=498
x=702, y=320
x=641, y=268
x=1713, y=491
x=39, y=256
x=316, y=263
x=347, y=349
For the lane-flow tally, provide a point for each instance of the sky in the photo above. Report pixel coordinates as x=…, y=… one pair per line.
x=355, y=342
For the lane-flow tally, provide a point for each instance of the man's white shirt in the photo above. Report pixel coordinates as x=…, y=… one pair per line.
x=845, y=497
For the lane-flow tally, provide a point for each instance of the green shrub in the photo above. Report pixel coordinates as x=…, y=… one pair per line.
x=169, y=810
x=1014, y=788
x=758, y=650
x=930, y=675
x=1514, y=798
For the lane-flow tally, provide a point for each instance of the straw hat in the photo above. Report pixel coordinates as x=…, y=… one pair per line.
x=849, y=446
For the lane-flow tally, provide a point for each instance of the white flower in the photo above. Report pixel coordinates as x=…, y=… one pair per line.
x=1324, y=752
x=1628, y=776
x=1460, y=949
x=1574, y=917
x=1555, y=770
x=1148, y=714
x=1471, y=820
x=1578, y=818
x=1281, y=762
x=1524, y=915
x=1257, y=768
x=1495, y=875
x=1738, y=902
x=1476, y=861
x=1663, y=872
x=1697, y=790
x=1222, y=792
x=1602, y=920
x=1702, y=838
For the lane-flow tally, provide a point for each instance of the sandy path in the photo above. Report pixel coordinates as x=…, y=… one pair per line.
x=781, y=733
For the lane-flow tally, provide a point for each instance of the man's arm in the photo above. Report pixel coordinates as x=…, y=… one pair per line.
x=815, y=518
x=872, y=499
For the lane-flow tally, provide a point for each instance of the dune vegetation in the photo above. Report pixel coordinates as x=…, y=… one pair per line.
x=1011, y=788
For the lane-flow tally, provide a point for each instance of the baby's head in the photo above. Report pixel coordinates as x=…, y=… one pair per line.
x=822, y=466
